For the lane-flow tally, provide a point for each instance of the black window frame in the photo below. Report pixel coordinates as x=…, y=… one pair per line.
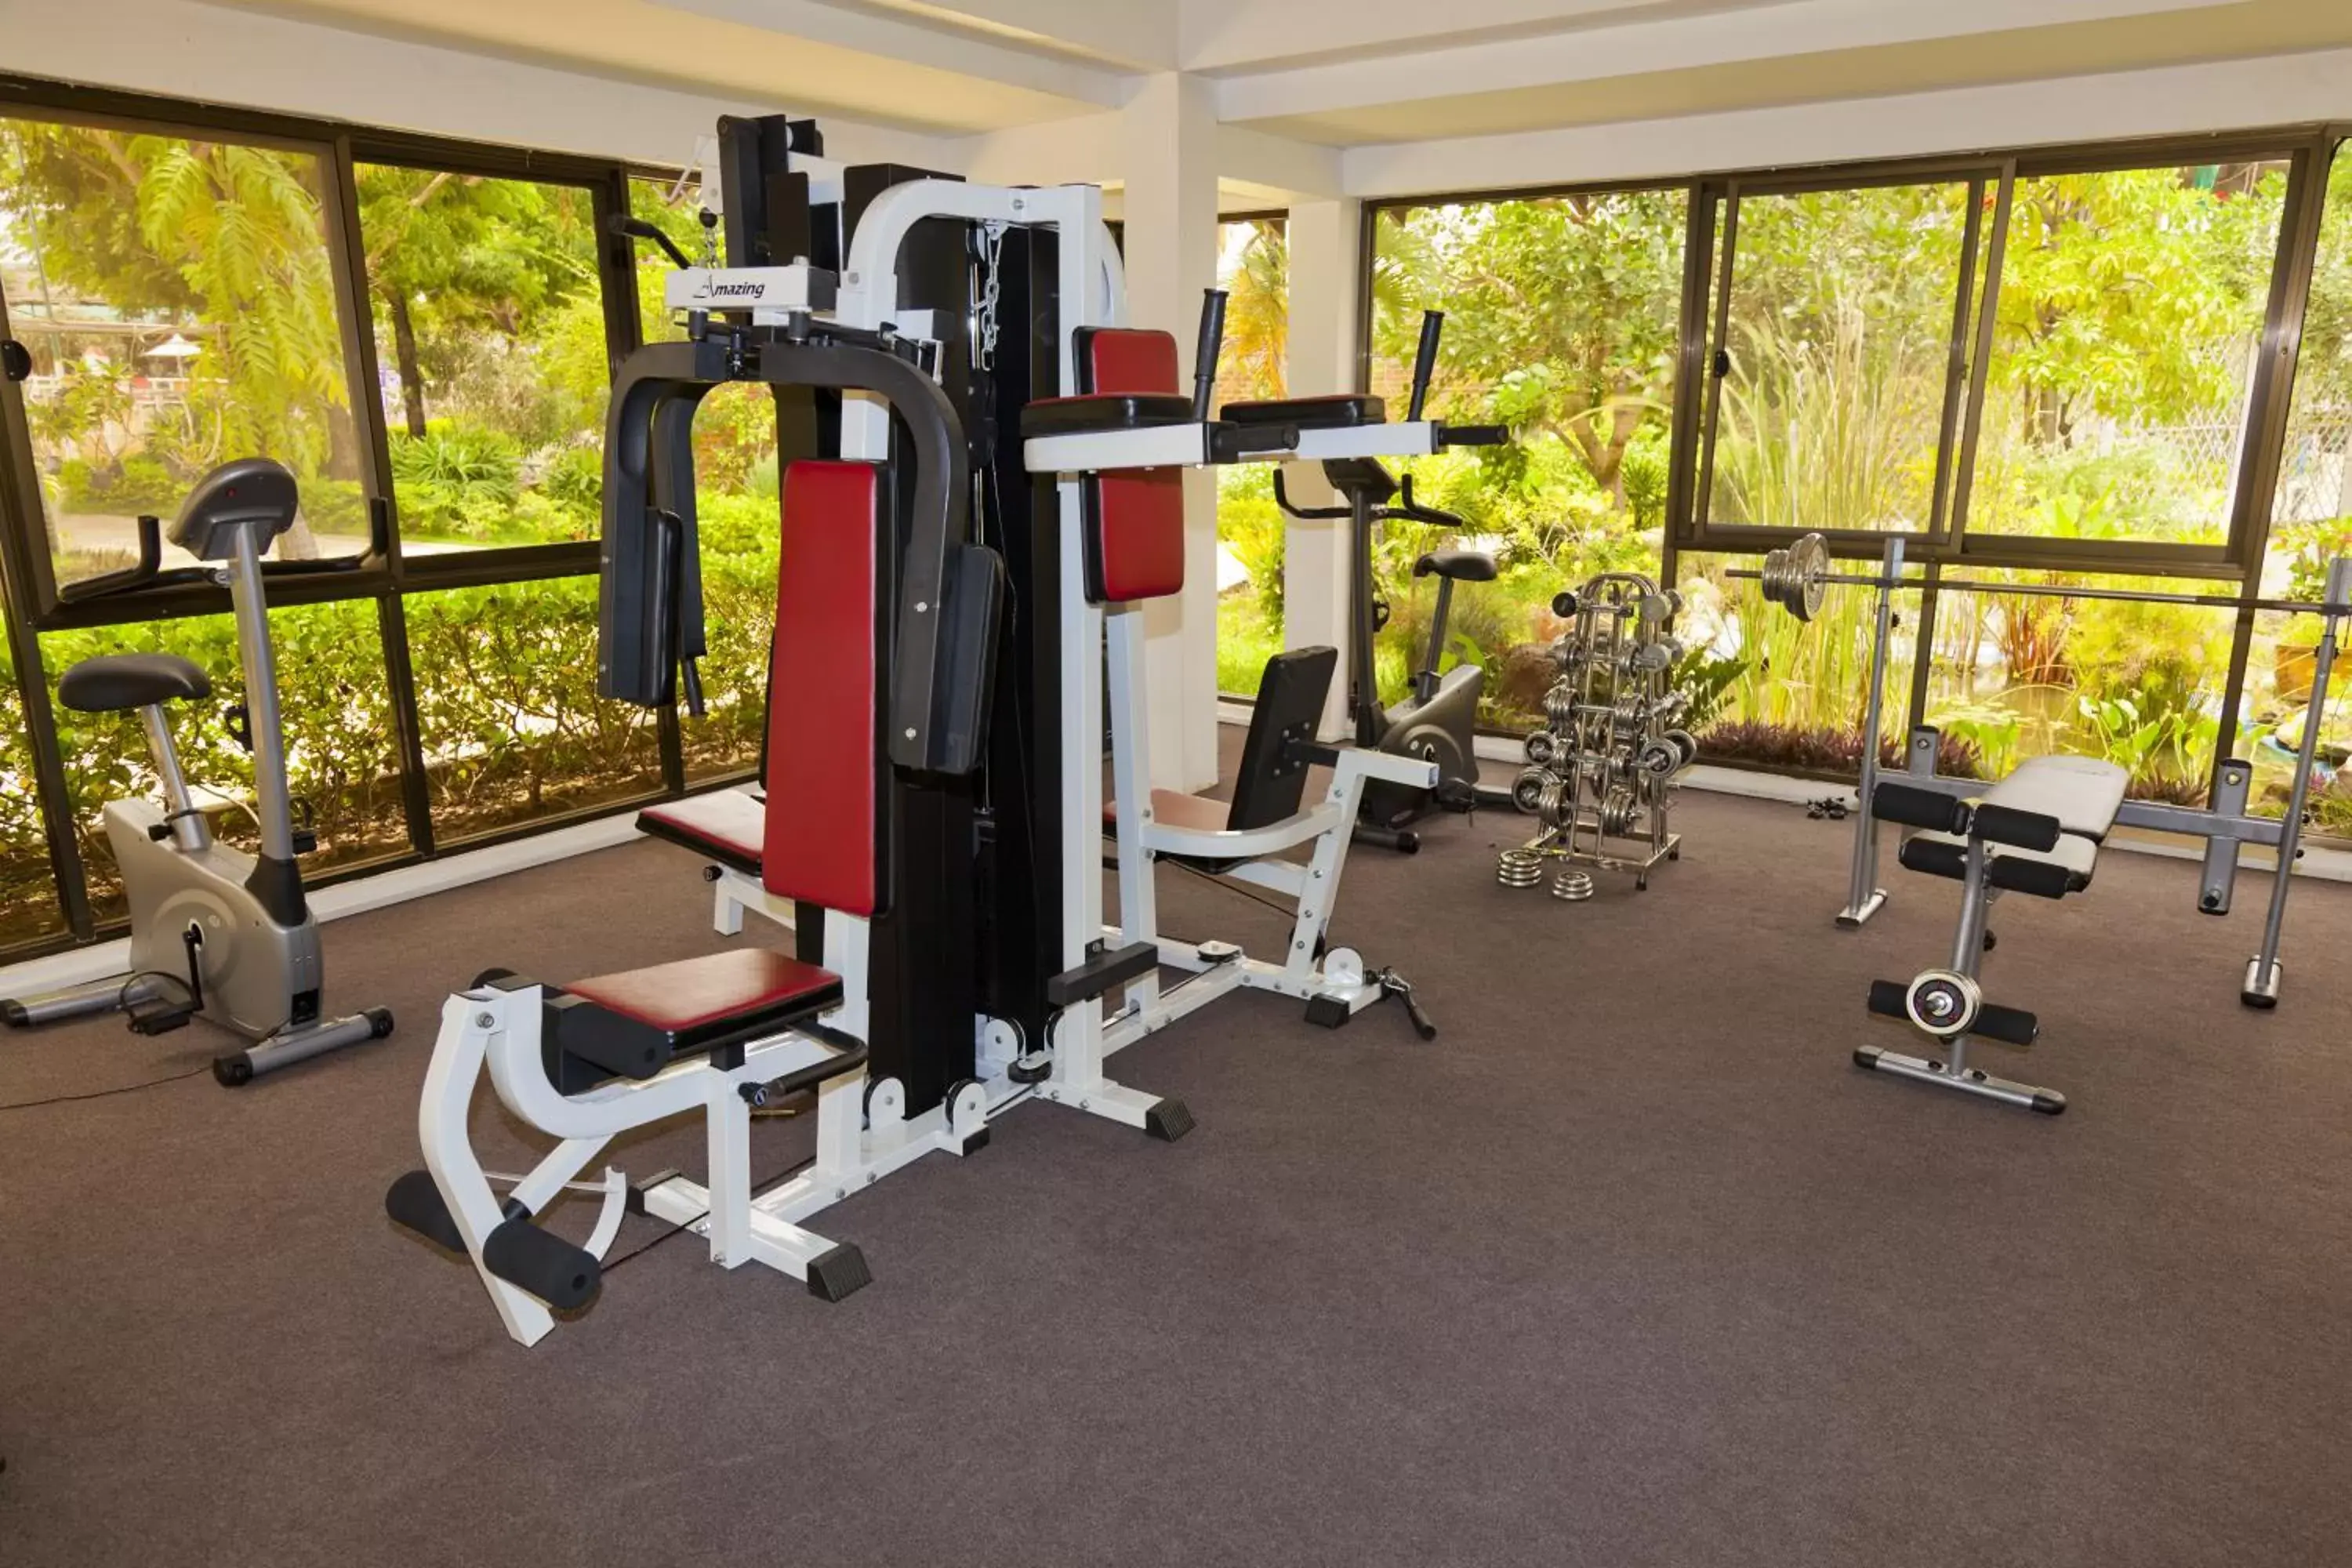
x=27, y=593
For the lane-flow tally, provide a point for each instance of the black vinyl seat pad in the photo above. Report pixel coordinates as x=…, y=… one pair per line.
x=1338, y=411
x=117, y=682
x=2083, y=793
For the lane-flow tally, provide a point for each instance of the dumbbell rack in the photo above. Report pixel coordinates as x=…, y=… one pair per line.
x=1600, y=773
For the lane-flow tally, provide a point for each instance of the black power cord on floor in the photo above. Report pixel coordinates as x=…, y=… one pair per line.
x=102, y=1093
x=1232, y=887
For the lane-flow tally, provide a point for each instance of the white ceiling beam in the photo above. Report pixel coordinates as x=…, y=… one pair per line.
x=1802, y=27
x=1129, y=35
x=2170, y=100
x=871, y=33
x=182, y=48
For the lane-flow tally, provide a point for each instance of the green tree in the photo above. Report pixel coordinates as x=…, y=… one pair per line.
x=1564, y=312
x=452, y=258
x=1257, y=315
x=228, y=234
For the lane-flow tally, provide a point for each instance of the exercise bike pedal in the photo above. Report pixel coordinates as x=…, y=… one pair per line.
x=159, y=1015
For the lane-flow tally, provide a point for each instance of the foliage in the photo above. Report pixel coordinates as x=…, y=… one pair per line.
x=1257, y=312
x=1705, y=680
x=213, y=233
x=1841, y=320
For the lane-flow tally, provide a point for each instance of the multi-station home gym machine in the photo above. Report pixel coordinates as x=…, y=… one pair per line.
x=934, y=345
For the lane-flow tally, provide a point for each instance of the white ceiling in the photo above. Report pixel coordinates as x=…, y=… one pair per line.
x=1339, y=72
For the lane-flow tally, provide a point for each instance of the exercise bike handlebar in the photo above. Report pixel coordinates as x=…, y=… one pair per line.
x=143, y=572
x=1407, y=509
x=1307, y=513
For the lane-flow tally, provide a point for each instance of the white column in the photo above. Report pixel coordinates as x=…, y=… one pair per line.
x=1325, y=280
x=1170, y=212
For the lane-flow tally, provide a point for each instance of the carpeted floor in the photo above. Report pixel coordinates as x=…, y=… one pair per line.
x=1630, y=1267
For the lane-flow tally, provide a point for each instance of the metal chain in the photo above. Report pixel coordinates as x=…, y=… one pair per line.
x=992, y=249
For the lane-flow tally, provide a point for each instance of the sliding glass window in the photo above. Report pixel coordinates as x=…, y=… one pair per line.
x=1832, y=355
x=1562, y=321
x=2125, y=350
x=492, y=356
x=176, y=299
x=1252, y=535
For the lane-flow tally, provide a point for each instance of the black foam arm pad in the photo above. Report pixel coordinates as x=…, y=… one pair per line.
x=2007, y=824
x=414, y=1203
x=1914, y=807
x=1887, y=999
x=2010, y=1025
x=564, y=1276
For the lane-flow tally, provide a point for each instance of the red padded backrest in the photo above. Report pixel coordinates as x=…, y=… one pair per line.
x=1135, y=517
x=821, y=833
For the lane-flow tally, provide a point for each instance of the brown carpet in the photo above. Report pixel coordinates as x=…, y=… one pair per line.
x=1630, y=1267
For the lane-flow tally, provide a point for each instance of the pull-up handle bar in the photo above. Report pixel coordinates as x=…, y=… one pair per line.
x=1207, y=352
x=628, y=227
x=1424, y=361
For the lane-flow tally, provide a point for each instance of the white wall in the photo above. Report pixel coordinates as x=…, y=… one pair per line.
x=215, y=55
x=2228, y=96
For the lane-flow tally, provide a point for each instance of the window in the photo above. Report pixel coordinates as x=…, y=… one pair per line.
x=2126, y=343
x=179, y=303
x=1833, y=357
x=507, y=712
x=1769, y=690
x=2139, y=684
x=1252, y=535
x=492, y=352
x=1563, y=321
x=2311, y=525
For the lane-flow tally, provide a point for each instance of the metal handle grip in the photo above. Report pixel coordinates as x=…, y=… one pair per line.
x=1206, y=353
x=1424, y=361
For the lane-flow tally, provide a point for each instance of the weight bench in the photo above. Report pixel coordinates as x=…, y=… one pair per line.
x=2038, y=832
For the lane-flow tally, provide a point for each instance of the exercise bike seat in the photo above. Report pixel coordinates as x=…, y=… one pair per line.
x=119, y=683
x=1457, y=566
x=1335, y=412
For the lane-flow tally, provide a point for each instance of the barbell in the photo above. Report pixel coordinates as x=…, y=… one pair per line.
x=1798, y=577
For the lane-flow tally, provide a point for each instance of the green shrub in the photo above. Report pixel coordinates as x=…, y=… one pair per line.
x=457, y=479
x=574, y=480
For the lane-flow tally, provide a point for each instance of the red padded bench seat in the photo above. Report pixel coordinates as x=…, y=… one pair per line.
x=638, y=1021
x=725, y=825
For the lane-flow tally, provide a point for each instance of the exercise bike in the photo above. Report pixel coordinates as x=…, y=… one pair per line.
x=214, y=933
x=1439, y=722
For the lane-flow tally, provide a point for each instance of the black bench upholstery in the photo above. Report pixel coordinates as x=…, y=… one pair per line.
x=118, y=682
x=2082, y=794
x=1103, y=411
x=1337, y=411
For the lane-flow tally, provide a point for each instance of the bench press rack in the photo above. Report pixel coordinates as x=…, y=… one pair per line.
x=1795, y=578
